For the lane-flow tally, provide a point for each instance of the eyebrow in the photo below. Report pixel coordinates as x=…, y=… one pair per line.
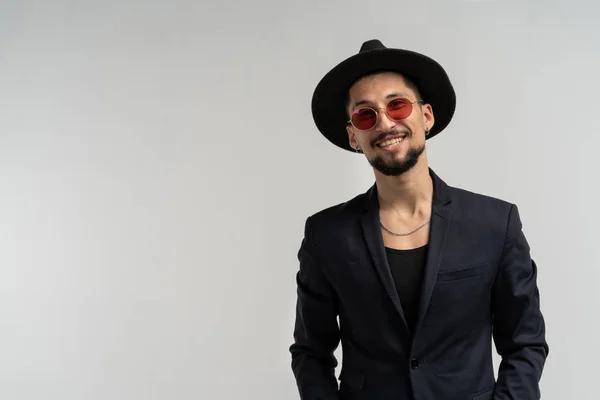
x=389, y=96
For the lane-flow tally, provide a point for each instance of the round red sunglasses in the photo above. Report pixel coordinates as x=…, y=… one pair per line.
x=365, y=118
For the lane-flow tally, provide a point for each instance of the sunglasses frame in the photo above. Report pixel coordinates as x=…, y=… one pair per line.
x=376, y=111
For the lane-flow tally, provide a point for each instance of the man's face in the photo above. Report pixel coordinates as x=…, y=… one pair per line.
x=391, y=146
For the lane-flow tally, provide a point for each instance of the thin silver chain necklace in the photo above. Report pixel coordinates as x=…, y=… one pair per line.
x=403, y=234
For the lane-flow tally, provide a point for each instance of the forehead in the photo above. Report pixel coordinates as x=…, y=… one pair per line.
x=377, y=86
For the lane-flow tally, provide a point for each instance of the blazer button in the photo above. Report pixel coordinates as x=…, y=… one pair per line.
x=414, y=363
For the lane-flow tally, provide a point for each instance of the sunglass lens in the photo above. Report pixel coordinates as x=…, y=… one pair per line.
x=399, y=109
x=364, y=118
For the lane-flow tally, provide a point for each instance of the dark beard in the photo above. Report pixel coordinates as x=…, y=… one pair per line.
x=396, y=168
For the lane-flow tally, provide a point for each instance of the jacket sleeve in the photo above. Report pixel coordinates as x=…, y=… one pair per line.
x=316, y=332
x=518, y=324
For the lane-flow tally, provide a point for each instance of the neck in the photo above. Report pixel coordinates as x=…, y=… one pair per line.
x=409, y=193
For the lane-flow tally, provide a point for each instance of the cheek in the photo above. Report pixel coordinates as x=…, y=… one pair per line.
x=361, y=139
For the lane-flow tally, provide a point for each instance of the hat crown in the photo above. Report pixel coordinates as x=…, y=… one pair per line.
x=373, y=44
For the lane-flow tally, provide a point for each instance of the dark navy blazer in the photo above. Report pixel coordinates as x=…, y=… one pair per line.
x=479, y=285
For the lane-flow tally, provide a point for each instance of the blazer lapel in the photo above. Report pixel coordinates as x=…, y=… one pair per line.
x=440, y=223
x=374, y=240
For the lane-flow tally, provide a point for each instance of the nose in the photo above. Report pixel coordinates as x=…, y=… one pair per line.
x=384, y=123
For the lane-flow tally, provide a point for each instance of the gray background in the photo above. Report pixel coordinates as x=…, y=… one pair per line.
x=158, y=160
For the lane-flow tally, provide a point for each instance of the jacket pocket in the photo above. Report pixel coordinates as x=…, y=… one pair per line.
x=352, y=379
x=462, y=273
x=469, y=284
x=486, y=394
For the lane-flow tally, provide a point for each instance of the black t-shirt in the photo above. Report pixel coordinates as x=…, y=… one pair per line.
x=407, y=268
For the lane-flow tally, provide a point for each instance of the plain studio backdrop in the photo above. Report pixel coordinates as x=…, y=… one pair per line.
x=158, y=161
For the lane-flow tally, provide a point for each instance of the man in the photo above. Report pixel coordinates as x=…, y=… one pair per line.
x=421, y=275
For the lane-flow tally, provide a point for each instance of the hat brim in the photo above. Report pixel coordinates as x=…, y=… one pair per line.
x=328, y=108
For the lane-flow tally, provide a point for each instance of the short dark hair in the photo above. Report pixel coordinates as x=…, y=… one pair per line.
x=409, y=82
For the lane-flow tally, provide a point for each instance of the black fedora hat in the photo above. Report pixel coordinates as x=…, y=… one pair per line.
x=328, y=108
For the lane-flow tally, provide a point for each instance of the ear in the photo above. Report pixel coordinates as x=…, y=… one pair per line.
x=351, y=137
x=428, y=117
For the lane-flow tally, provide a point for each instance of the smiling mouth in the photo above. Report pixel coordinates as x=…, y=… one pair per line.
x=390, y=142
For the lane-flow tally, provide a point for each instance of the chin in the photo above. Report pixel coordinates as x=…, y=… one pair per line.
x=401, y=161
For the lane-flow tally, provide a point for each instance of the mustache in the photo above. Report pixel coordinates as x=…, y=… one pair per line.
x=385, y=135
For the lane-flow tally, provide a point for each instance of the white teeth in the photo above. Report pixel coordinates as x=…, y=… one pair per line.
x=390, y=142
